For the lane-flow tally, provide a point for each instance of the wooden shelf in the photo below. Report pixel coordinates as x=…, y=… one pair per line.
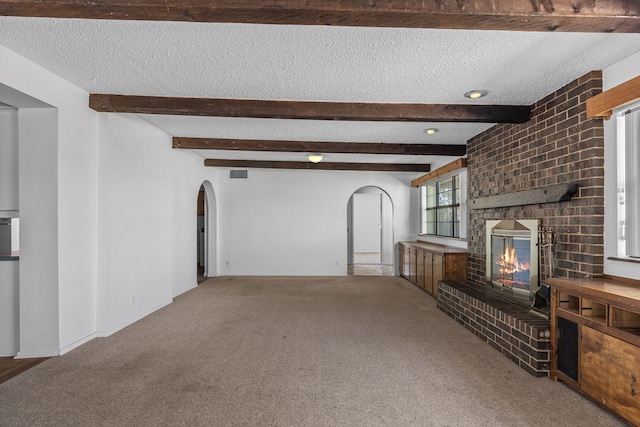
x=625, y=320
x=569, y=302
x=593, y=310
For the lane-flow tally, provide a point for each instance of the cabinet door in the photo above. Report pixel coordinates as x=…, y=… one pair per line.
x=404, y=261
x=401, y=261
x=412, y=265
x=455, y=267
x=567, y=347
x=610, y=372
x=420, y=268
x=428, y=272
x=437, y=272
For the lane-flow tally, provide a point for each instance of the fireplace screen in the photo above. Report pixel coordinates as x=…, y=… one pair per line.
x=511, y=261
x=512, y=258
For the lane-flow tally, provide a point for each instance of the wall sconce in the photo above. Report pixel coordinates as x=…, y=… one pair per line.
x=315, y=157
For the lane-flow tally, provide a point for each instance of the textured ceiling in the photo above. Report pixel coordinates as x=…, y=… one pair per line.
x=311, y=63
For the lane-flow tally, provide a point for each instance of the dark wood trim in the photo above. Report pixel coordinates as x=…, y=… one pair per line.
x=349, y=111
x=518, y=15
x=319, y=147
x=450, y=167
x=260, y=164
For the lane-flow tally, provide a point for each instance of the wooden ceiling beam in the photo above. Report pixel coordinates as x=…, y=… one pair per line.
x=442, y=171
x=261, y=164
x=603, y=104
x=519, y=15
x=319, y=147
x=348, y=111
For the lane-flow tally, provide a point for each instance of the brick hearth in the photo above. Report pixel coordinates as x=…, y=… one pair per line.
x=507, y=326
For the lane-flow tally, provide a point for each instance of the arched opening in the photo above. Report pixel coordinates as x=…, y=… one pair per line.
x=207, y=253
x=370, y=233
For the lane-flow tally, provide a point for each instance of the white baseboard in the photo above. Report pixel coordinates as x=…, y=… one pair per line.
x=103, y=334
x=76, y=344
x=186, y=290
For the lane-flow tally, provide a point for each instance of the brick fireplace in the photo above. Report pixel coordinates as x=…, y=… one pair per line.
x=557, y=146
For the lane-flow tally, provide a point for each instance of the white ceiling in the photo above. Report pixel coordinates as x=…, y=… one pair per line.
x=311, y=63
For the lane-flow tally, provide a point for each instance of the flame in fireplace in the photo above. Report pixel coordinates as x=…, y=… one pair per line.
x=509, y=263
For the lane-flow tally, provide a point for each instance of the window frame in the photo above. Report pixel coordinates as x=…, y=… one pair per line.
x=451, y=206
x=628, y=180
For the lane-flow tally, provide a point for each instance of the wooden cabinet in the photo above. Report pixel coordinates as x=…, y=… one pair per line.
x=420, y=264
x=602, y=360
x=425, y=264
x=405, y=257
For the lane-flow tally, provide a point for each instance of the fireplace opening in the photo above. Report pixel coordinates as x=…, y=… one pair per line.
x=512, y=264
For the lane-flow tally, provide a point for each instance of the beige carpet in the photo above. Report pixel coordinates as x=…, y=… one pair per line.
x=352, y=351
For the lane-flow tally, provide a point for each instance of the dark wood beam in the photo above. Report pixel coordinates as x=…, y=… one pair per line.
x=551, y=194
x=260, y=164
x=520, y=15
x=319, y=147
x=349, y=111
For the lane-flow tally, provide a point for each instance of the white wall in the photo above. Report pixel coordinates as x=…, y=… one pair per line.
x=189, y=174
x=367, y=222
x=77, y=217
x=108, y=210
x=613, y=76
x=39, y=251
x=388, y=252
x=286, y=222
x=147, y=199
x=141, y=192
x=60, y=201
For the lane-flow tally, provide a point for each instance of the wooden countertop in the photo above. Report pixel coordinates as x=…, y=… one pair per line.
x=624, y=293
x=434, y=247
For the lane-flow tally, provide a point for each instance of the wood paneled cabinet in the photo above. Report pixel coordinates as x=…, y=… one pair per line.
x=595, y=341
x=425, y=264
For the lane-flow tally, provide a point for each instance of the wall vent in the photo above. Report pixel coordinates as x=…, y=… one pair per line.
x=238, y=174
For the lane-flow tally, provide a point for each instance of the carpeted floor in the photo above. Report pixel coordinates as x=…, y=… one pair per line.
x=292, y=351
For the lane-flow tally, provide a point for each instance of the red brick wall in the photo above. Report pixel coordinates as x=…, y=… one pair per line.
x=559, y=145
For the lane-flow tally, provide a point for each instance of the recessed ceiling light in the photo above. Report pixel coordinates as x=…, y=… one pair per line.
x=430, y=131
x=475, y=94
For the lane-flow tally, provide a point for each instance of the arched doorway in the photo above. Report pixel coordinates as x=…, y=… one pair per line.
x=207, y=253
x=370, y=233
